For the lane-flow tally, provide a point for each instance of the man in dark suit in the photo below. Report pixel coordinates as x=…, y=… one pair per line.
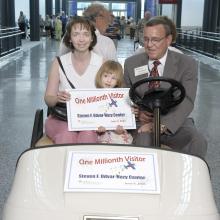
x=177, y=129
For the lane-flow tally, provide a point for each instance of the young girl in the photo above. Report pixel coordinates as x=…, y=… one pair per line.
x=110, y=75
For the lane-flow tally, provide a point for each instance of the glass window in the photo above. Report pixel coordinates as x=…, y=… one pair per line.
x=118, y=13
x=192, y=13
x=142, y=8
x=83, y=4
x=79, y=12
x=106, y=5
x=118, y=6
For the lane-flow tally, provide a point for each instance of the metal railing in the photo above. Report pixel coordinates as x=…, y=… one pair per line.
x=10, y=40
x=206, y=43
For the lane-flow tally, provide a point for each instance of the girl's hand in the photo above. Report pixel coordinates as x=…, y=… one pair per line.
x=101, y=129
x=120, y=130
x=63, y=96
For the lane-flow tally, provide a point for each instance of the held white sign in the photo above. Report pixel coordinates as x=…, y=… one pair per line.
x=112, y=172
x=90, y=108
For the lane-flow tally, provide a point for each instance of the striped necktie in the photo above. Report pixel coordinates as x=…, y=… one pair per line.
x=154, y=73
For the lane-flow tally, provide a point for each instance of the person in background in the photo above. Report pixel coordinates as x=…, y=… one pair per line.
x=178, y=130
x=22, y=24
x=63, y=19
x=52, y=30
x=47, y=26
x=122, y=26
x=27, y=28
x=132, y=28
x=113, y=30
x=41, y=25
x=100, y=17
x=80, y=66
x=139, y=35
x=58, y=28
x=110, y=75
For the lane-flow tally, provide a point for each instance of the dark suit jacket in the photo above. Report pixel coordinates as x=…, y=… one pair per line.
x=178, y=66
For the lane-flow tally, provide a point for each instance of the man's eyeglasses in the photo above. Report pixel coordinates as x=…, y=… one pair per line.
x=154, y=40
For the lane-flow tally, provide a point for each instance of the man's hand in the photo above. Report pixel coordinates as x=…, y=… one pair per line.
x=145, y=117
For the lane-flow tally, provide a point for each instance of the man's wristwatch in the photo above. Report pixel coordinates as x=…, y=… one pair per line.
x=163, y=129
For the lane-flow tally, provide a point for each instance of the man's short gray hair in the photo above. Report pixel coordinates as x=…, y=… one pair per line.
x=94, y=10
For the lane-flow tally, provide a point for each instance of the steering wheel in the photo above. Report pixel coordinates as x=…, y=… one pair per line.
x=163, y=98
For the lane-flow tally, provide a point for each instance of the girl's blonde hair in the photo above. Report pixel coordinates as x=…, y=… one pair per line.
x=113, y=67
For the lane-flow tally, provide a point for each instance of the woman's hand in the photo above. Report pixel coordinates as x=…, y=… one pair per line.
x=101, y=129
x=63, y=96
x=135, y=110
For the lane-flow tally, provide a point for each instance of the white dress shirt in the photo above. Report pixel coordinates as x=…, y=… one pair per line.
x=161, y=66
x=105, y=47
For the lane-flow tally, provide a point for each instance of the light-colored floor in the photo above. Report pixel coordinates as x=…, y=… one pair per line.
x=22, y=83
